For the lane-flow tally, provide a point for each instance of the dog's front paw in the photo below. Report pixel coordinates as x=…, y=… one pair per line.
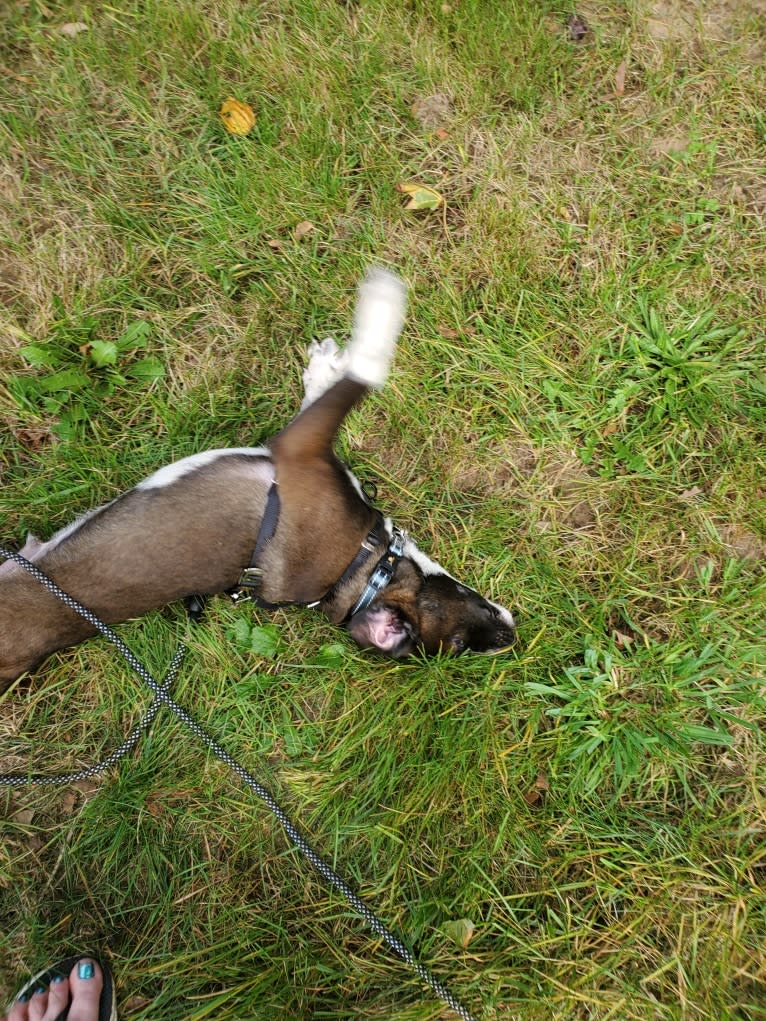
x=377, y=323
x=326, y=365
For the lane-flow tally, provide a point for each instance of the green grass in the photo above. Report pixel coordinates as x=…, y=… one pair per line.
x=575, y=424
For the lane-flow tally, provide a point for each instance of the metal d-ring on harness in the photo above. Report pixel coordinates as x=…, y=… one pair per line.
x=163, y=698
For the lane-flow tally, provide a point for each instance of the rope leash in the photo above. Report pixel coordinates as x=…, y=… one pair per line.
x=163, y=698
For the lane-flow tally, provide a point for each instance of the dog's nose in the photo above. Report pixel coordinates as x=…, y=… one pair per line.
x=505, y=640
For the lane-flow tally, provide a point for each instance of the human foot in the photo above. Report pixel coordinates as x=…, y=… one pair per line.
x=77, y=989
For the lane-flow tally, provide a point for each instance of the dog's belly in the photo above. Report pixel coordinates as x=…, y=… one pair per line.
x=190, y=527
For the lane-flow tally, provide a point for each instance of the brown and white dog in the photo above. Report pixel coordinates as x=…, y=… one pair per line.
x=287, y=520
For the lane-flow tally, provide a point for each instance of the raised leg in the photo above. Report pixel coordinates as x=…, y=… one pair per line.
x=364, y=364
x=317, y=499
x=326, y=366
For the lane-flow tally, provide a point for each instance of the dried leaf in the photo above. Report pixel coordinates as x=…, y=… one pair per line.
x=577, y=28
x=303, y=228
x=33, y=437
x=692, y=495
x=23, y=817
x=86, y=787
x=135, y=1003
x=460, y=931
x=73, y=28
x=238, y=118
x=155, y=806
x=535, y=795
x=621, y=640
x=441, y=134
x=619, y=79
x=450, y=333
x=421, y=196
x=68, y=802
x=275, y=243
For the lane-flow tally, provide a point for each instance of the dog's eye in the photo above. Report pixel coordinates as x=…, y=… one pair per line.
x=457, y=643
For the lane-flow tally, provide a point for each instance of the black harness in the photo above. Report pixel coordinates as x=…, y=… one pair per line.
x=251, y=580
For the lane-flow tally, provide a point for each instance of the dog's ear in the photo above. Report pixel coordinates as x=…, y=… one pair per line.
x=384, y=628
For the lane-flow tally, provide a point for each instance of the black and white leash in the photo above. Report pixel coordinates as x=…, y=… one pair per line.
x=163, y=698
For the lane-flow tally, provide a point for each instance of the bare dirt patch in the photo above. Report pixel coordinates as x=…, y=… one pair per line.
x=714, y=22
x=495, y=467
x=741, y=543
x=671, y=20
x=746, y=191
x=432, y=112
x=558, y=491
x=572, y=496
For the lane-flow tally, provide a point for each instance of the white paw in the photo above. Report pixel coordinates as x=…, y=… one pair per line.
x=377, y=323
x=326, y=365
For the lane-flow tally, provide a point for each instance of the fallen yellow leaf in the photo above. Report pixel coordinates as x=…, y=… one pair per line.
x=421, y=196
x=238, y=118
x=460, y=931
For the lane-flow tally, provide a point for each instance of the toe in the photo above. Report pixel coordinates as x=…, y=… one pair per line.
x=38, y=1004
x=18, y=1012
x=85, y=983
x=58, y=998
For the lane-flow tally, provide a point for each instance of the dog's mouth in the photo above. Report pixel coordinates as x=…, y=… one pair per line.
x=384, y=629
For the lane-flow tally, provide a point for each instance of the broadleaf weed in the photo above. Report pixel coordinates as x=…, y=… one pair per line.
x=87, y=370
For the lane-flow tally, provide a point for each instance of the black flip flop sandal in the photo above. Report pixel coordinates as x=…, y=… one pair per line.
x=107, y=1008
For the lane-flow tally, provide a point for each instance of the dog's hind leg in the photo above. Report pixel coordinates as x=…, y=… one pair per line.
x=378, y=319
x=305, y=463
x=377, y=323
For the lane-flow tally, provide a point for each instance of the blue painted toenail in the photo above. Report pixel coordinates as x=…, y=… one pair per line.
x=85, y=970
x=59, y=978
x=40, y=989
x=23, y=998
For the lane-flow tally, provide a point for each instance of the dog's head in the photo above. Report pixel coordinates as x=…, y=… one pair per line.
x=424, y=608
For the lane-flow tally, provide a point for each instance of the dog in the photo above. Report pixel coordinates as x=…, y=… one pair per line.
x=287, y=523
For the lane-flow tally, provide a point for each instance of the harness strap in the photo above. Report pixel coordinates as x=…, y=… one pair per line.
x=383, y=573
x=370, y=544
x=251, y=579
